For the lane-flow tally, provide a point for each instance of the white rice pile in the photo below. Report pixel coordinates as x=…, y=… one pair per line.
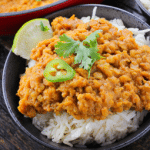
x=68, y=130
x=146, y=4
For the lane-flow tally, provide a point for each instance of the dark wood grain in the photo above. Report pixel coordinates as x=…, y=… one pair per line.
x=12, y=138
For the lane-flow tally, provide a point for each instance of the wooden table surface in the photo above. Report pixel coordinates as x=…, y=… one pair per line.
x=12, y=138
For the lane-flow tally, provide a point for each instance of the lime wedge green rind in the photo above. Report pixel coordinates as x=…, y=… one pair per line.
x=29, y=35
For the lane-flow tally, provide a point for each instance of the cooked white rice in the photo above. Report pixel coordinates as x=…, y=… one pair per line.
x=146, y=4
x=68, y=130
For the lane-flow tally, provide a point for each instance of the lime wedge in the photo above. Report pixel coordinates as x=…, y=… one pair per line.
x=29, y=35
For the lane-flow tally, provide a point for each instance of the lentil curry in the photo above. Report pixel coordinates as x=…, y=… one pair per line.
x=120, y=81
x=7, y=6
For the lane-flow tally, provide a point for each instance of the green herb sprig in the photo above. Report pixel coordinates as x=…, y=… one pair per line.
x=43, y=28
x=86, y=51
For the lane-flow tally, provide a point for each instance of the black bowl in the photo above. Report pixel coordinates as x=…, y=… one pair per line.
x=14, y=66
x=143, y=7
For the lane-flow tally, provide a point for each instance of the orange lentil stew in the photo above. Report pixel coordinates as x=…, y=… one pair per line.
x=119, y=82
x=7, y=6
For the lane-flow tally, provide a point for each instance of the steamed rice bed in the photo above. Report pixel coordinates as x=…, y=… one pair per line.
x=117, y=83
x=7, y=6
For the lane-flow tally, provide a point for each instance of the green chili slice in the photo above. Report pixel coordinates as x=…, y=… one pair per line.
x=58, y=70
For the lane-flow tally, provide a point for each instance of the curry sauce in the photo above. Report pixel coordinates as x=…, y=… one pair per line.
x=120, y=81
x=7, y=6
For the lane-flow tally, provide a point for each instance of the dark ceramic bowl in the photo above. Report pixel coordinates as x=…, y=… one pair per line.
x=14, y=66
x=142, y=7
x=11, y=22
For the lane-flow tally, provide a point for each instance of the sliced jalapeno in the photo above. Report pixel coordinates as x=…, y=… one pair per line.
x=58, y=70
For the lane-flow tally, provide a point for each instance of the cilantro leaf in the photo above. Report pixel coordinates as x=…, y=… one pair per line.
x=89, y=54
x=66, y=38
x=67, y=48
x=43, y=28
x=92, y=38
x=82, y=57
x=86, y=51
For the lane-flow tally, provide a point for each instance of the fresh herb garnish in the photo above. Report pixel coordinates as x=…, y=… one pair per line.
x=43, y=28
x=38, y=0
x=86, y=51
x=67, y=48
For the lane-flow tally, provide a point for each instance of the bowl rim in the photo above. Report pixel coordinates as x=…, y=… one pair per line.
x=139, y=135
x=32, y=10
x=142, y=7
